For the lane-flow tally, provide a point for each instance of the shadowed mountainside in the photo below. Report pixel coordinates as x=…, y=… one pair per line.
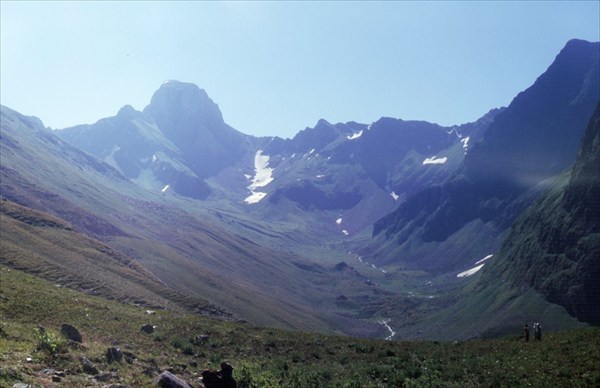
x=548, y=264
x=555, y=245
x=526, y=146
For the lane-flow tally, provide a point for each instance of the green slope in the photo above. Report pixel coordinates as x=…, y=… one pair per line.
x=261, y=357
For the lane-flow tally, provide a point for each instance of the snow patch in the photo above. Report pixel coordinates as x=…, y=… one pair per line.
x=355, y=135
x=339, y=221
x=394, y=195
x=154, y=158
x=484, y=259
x=477, y=267
x=255, y=197
x=164, y=189
x=435, y=160
x=263, y=175
x=465, y=143
x=470, y=272
x=320, y=176
x=311, y=151
x=345, y=232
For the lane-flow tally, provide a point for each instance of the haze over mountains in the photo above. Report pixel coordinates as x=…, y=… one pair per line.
x=336, y=229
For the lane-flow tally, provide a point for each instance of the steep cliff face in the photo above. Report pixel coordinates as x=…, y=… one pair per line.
x=555, y=245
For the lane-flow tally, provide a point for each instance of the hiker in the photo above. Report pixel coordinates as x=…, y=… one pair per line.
x=537, y=331
x=219, y=379
x=526, y=330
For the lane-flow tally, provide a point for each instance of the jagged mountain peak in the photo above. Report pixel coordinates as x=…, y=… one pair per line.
x=322, y=124
x=127, y=112
x=175, y=101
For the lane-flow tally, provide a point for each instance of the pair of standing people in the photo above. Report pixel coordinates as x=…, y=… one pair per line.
x=537, y=331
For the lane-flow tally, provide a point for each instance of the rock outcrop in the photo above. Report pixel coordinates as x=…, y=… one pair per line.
x=71, y=333
x=168, y=380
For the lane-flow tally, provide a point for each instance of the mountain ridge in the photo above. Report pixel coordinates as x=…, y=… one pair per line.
x=524, y=148
x=258, y=226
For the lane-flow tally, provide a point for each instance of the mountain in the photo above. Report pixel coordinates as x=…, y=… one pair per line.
x=175, y=143
x=100, y=223
x=447, y=226
x=117, y=197
x=547, y=268
x=354, y=228
x=73, y=219
x=385, y=148
x=357, y=172
x=194, y=123
x=555, y=246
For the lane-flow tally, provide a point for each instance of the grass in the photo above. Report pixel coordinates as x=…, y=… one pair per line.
x=261, y=357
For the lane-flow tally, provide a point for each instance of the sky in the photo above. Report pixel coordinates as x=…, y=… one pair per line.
x=275, y=68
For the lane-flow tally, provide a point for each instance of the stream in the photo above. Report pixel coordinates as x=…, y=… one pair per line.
x=385, y=322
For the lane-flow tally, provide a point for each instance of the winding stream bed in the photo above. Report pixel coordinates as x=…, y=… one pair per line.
x=386, y=323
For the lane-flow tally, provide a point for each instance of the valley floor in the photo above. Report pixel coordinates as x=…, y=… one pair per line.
x=186, y=344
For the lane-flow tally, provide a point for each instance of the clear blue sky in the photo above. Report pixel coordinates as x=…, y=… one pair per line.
x=275, y=68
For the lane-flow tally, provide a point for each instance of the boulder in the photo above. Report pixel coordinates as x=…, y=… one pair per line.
x=129, y=357
x=107, y=376
x=88, y=367
x=148, y=329
x=113, y=355
x=71, y=333
x=169, y=380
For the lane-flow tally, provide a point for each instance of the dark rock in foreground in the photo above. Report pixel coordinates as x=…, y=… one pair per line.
x=169, y=380
x=148, y=329
x=71, y=333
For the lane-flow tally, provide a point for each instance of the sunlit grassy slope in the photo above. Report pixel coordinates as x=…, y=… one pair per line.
x=39, y=243
x=261, y=357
